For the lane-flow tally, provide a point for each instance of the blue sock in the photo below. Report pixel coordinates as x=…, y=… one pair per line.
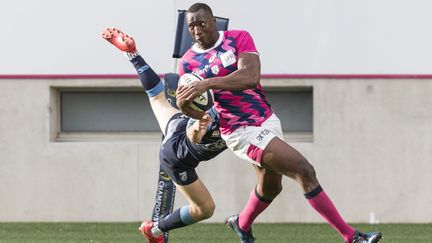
x=149, y=79
x=177, y=219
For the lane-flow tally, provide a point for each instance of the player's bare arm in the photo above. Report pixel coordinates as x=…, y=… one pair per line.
x=246, y=77
x=198, y=129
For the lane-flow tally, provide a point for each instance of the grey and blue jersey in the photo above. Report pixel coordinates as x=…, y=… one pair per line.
x=179, y=156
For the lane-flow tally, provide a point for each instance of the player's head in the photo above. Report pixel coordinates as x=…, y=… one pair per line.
x=202, y=25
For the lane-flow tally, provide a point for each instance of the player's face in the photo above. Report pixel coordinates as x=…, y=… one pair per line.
x=202, y=27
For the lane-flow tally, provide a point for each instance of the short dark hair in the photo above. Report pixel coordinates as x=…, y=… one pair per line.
x=197, y=6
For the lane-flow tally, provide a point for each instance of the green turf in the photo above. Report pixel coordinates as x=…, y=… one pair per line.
x=203, y=233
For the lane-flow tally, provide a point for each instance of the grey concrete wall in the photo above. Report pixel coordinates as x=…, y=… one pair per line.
x=371, y=148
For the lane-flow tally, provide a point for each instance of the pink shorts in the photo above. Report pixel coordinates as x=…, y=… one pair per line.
x=249, y=142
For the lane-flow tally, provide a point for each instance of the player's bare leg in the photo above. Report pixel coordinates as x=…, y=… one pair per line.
x=162, y=109
x=268, y=187
x=163, y=112
x=201, y=204
x=281, y=157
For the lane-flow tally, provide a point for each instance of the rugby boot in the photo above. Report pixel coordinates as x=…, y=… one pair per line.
x=146, y=231
x=245, y=237
x=369, y=237
x=120, y=40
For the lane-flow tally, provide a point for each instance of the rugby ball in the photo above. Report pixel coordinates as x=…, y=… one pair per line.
x=202, y=102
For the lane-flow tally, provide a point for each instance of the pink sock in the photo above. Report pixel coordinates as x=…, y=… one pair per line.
x=254, y=207
x=319, y=200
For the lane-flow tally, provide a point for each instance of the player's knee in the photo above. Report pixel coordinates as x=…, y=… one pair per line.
x=206, y=210
x=307, y=171
x=209, y=209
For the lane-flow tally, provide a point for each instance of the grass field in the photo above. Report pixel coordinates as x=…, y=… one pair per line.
x=203, y=233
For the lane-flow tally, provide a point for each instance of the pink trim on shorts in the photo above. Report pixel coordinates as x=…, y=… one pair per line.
x=255, y=153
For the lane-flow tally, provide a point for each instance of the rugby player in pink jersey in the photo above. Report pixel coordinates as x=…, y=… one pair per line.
x=230, y=64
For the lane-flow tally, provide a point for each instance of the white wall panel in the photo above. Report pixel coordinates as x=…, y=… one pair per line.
x=294, y=36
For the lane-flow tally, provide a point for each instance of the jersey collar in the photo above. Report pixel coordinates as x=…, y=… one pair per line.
x=218, y=42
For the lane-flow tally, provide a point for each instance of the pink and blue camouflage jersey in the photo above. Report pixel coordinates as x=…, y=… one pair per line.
x=236, y=108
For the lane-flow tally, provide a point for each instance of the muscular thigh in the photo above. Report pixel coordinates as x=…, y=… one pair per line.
x=283, y=158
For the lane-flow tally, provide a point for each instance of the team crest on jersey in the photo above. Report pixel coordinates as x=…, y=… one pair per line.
x=183, y=176
x=216, y=133
x=215, y=70
x=228, y=58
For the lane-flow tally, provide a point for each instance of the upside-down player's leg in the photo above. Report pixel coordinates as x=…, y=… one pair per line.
x=182, y=171
x=165, y=193
x=165, y=202
x=151, y=82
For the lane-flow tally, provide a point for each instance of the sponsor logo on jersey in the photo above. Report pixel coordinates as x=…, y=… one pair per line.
x=211, y=59
x=215, y=146
x=202, y=71
x=228, y=58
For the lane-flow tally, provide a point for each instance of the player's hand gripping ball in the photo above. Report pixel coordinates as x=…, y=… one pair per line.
x=202, y=102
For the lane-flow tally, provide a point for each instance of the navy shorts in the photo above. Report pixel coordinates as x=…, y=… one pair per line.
x=175, y=156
